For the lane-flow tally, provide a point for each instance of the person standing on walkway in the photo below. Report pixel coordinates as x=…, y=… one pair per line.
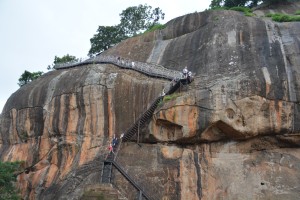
x=185, y=72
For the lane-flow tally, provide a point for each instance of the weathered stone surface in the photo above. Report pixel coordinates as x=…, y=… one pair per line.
x=234, y=133
x=61, y=123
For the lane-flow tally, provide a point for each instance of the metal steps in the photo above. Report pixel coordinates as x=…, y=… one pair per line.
x=110, y=162
x=142, y=193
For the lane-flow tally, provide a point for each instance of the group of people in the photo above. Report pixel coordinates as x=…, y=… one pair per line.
x=186, y=73
x=114, y=143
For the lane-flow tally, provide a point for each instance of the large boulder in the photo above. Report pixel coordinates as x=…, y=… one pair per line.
x=233, y=133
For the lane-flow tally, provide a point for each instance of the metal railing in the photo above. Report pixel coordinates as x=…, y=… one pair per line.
x=150, y=69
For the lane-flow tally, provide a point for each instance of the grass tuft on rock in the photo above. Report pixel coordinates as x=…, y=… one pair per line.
x=278, y=17
x=247, y=11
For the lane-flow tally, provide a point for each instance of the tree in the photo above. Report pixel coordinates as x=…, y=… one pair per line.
x=233, y=3
x=216, y=3
x=106, y=37
x=247, y=3
x=134, y=20
x=65, y=59
x=139, y=18
x=7, y=179
x=27, y=77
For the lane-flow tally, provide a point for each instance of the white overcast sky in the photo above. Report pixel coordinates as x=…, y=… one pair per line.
x=32, y=32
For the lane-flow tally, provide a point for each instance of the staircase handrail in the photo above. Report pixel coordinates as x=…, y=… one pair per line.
x=150, y=69
x=172, y=89
x=138, y=121
x=132, y=182
x=128, y=134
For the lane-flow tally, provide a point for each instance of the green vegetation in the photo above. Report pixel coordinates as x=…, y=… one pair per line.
x=27, y=77
x=155, y=27
x=297, y=12
x=65, y=59
x=134, y=20
x=92, y=194
x=7, y=180
x=170, y=97
x=242, y=3
x=137, y=19
x=106, y=37
x=24, y=136
x=247, y=11
x=278, y=17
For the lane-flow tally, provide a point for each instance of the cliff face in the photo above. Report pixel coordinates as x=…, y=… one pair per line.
x=234, y=133
x=59, y=125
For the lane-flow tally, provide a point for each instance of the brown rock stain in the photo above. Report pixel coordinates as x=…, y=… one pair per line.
x=45, y=147
x=85, y=154
x=241, y=38
x=19, y=152
x=72, y=115
x=278, y=116
x=13, y=136
x=54, y=156
x=110, y=114
x=36, y=177
x=87, y=108
x=51, y=175
x=174, y=116
x=268, y=86
x=62, y=112
x=23, y=183
x=192, y=120
x=69, y=154
x=171, y=152
x=188, y=176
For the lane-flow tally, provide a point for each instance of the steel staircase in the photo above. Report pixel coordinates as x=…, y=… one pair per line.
x=141, y=120
x=110, y=162
x=149, y=69
x=142, y=193
x=149, y=112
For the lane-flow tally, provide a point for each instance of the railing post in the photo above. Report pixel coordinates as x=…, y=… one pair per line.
x=138, y=136
x=140, y=195
x=110, y=173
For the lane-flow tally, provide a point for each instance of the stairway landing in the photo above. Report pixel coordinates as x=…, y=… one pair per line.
x=102, y=192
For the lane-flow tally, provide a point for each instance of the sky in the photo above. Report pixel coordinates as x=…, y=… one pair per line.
x=33, y=32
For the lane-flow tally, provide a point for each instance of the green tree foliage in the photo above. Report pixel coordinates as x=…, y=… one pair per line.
x=7, y=180
x=234, y=3
x=27, y=77
x=156, y=27
x=216, y=4
x=105, y=37
x=134, y=20
x=65, y=59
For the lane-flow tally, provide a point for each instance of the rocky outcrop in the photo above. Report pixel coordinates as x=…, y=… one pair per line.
x=234, y=133
x=60, y=124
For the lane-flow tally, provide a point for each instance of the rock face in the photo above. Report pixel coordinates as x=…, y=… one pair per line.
x=234, y=133
x=59, y=125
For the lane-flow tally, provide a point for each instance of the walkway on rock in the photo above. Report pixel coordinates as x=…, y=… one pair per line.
x=149, y=69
